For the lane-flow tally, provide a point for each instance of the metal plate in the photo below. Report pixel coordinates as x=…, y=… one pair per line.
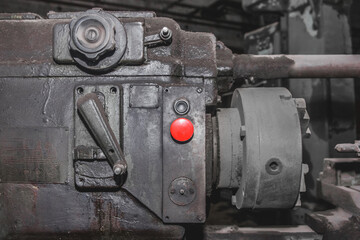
x=144, y=96
x=182, y=191
x=142, y=140
x=184, y=159
x=33, y=154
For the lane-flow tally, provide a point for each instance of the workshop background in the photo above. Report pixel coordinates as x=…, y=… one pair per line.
x=265, y=27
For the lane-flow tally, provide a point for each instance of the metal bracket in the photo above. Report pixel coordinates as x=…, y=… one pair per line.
x=92, y=168
x=93, y=115
x=164, y=37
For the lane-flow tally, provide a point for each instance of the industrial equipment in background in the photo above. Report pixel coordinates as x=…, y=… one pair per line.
x=112, y=126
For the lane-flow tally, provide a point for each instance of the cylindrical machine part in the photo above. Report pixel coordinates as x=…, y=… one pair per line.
x=230, y=147
x=296, y=66
x=260, y=148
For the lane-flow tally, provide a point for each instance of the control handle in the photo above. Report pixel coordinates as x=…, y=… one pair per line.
x=94, y=117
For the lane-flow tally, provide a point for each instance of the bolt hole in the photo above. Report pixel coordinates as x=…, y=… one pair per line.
x=80, y=90
x=167, y=217
x=166, y=90
x=274, y=166
x=111, y=151
x=113, y=90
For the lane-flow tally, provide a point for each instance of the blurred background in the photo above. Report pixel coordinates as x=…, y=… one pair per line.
x=265, y=27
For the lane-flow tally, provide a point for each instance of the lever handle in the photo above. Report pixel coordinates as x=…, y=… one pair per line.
x=93, y=115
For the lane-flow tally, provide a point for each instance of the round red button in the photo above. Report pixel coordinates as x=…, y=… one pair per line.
x=182, y=129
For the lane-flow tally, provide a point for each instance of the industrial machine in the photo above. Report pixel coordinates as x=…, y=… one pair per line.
x=111, y=127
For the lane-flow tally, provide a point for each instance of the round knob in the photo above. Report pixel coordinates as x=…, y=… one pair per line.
x=92, y=36
x=97, y=40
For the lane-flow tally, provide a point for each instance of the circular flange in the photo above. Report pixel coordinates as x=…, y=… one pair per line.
x=181, y=106
x=98, y=40
x=182, y=191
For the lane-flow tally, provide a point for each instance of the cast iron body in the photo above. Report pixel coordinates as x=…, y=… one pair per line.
x=85, y=145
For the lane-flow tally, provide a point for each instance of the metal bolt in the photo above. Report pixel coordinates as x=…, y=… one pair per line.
x=200, y=218
x=199, y=90
x=119, y=169
x=165, y=34
x=182, y=191
x=165, y=30
x=81, y=182
x=233, y=200
x=242, y=132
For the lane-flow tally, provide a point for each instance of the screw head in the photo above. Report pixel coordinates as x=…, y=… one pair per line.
x=92, y=34
x=199, y=90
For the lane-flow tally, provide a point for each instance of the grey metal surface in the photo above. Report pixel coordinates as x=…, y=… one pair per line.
x=142, y=142
x=53, y=211
x=271, y=162
x=301, y=232
x=230, y=147
x=33, y=154
x=144, y=96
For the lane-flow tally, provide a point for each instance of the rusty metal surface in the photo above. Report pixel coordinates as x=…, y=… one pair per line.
x=335, y=224
x=297, y=66
x=338, y=185
x=53, y=211
x=348, y=147
x=33, y=154
x=338, y=182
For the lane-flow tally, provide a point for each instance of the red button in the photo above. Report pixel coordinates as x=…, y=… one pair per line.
x=182, y=129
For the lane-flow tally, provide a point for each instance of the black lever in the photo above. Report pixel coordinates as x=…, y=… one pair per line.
x=93, y=114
